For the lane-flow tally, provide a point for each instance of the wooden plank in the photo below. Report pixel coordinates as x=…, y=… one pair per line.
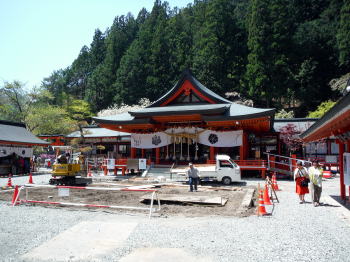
x=188, y=199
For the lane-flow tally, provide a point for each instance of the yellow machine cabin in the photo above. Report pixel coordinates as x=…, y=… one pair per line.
x=64, y=172
x=65, y=169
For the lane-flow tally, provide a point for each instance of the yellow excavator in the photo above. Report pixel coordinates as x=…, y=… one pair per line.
x=64, y=172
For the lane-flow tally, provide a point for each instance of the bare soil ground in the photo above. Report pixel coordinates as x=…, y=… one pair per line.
x=234, y=195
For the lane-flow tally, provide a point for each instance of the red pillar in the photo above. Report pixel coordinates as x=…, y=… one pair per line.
x=272, y=161
x=243, y=149
x=341, y=170
x=133, y=152
x=348, y=149
x=212, y=153
x=143, y=153
x=157, y=155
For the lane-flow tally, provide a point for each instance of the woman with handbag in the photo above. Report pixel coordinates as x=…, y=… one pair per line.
x=316, y=174
x=301, y=178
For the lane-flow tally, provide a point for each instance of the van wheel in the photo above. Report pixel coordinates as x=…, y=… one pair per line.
x=226, y=180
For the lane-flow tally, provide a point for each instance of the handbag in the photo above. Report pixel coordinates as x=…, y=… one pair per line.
x=305, y=182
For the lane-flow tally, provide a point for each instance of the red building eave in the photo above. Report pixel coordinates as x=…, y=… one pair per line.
x=335, y=126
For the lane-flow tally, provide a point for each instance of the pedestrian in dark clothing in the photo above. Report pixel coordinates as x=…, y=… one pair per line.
x=193, y=176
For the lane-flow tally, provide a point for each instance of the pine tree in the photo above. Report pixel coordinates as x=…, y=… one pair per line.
x=343, y=35
x=268, y=70
x=219, y=47
x=100, y=83
x=142, y=71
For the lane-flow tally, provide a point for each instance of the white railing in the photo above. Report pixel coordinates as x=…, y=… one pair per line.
x=154, y=196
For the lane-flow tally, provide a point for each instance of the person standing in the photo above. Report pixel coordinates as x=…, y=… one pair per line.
x=300, y=175
x=193, y=176
x=316, y=174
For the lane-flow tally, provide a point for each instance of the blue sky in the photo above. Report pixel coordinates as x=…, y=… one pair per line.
x=40, y=36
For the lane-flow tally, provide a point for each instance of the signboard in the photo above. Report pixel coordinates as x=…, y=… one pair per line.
x=142, y=163
x=63, y=192
x=346, y=166
x=110, y=163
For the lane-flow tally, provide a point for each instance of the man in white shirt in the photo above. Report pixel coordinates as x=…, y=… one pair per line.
x=316, y=174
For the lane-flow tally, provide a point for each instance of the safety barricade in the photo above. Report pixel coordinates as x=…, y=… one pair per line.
x=16, y=197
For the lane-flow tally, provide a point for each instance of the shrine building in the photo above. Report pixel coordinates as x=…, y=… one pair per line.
x=192, y=123
x=335, y=123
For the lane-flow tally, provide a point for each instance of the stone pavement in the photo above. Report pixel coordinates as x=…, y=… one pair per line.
x=294, y=232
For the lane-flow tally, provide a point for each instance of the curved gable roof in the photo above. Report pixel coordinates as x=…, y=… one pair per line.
x=187, y=75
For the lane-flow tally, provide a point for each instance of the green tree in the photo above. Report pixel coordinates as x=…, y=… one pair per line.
x=56, y=84
x=145, y=62
x=315, y=55
x=100, y=84
x=34, y=108
x=343, y=36
x=268, y=71
x=15, y=101
x=78, y=74
x=282, y=114
x=323, y=108
x=49, y=119
x=219, y=46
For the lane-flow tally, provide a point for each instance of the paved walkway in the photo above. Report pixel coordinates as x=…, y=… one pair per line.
x=295, y=232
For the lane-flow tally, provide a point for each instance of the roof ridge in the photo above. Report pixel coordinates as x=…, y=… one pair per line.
x=11, y=123
x=187, y=74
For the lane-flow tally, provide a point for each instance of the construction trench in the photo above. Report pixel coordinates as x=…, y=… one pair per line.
x=212, y=199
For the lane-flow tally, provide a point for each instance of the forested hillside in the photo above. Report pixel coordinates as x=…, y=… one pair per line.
x=278, y=53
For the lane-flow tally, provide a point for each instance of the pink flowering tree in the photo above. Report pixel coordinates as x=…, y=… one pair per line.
x=289, y=134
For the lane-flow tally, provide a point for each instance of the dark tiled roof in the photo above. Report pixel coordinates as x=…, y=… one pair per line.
x=97, y=132
x=11, y=132
x=187, y=75
x=338, y=109
x=123, y=118
x=183, y=109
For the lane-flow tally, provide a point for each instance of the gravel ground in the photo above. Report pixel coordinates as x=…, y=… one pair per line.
x=293, y=233
x=38, y=178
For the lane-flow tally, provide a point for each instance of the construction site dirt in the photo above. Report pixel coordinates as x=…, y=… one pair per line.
x=180, y=203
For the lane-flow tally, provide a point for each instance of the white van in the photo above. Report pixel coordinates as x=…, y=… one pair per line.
x=224, y=170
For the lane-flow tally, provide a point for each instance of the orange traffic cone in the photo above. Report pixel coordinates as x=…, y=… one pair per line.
x=267, y=200
x=9, y=182
x=15, y=198
x=30, y=179
x=274, y=183
x=261, y=208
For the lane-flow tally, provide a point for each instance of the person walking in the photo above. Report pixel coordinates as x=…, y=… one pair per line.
x=193, y=176
x=316, y=174
x=301, y=177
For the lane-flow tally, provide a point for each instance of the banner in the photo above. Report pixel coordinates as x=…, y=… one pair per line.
x=221, y=139
x=20, y=151
x=152, y=140
x=205, y=137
